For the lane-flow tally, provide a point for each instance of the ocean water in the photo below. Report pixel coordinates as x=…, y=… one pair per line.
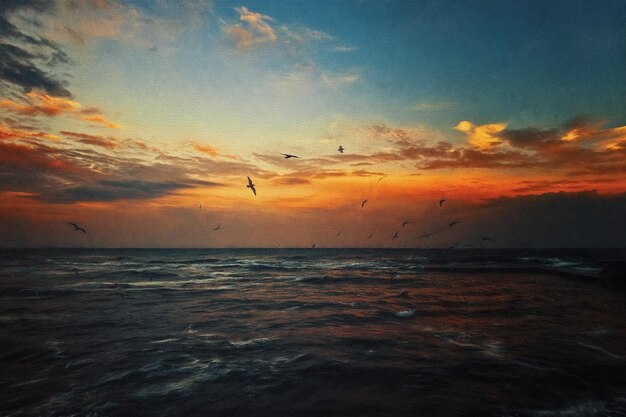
x=292, y=332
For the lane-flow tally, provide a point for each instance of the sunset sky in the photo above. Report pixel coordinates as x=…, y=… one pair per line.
x=140, y=121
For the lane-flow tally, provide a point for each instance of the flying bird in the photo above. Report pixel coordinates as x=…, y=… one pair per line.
x=406, y=222
x=451, y=225
x=363, y=203
x=441, y=202
x=339, y=234
x=370, y=236
x=251, y=186
x=340, y=149
x=287, y=156
x=77, y=228
x=380, y=179
x=313, y=246
x=395, y=235
x=217, y=227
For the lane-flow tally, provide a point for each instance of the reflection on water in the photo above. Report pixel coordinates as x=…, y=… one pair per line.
x=302, y=332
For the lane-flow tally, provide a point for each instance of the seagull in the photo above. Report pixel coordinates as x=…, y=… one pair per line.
x=370, y=236
x=406, y=222
x=363, y=203
x=287, y=156
x=380, y=179
x=339, y=234
x=251, y=186
x=441, y=202
x=77, y=228
x=395, y=235
x=453, y=223
x=340, y=149
x=313, y=246
x=217, y=227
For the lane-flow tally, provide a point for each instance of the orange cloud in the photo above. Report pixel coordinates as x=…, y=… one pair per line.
x=482, y=136
x=108, y=143
x=208, y=149
x=41, y=104
x=98, y=118
x=7, y=132
x=21, y=156
x=255, y=29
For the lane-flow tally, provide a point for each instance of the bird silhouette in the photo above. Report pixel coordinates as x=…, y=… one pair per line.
x=77, y=228
x=395, y=235
x=406, y=222
x=313, y=246
x=339, y=234
x=370, y=236
x=340, y=149
x=451, y=225
x=363, y=203
x=217, y=227
x=380, y=179
x=251, y=186
x=441, y=202
x=287, y=156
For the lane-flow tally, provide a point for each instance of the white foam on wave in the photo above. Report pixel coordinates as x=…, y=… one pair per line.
x=404, y=313
x=164, y=341
x=249, y=341
x=601, y=350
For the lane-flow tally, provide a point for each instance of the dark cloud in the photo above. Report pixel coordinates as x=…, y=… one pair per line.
x=581, y=219
x=532, y=137
x=20, y=68
x=108, y=143
x=62, y=174
x=543, y=185
x=291, y=180
x=108, y=190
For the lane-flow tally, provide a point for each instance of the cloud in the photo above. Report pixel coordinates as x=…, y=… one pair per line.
x=27, y=61
x=109, y=190
x=41, y=104
x=108, y=143
x=19, y=158
x=343, y=48
x=533, y=186
x=482, y=136
x=339, y=80
x=100, y=119
x=428, y=106
x=7, y=132
x=291, y=180
x=141, y=26
x=207, y=149
x=256, y=29
x=582, y=219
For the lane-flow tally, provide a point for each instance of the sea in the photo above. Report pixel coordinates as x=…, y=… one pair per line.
x=310, y=332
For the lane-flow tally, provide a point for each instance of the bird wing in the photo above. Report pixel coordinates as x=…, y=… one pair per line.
x=73, y=224
x=253, y=189
x=249, y=181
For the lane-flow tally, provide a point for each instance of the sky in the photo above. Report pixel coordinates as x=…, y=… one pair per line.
x=141, y=120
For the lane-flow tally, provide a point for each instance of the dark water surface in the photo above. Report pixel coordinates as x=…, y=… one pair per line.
x=306, y=333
